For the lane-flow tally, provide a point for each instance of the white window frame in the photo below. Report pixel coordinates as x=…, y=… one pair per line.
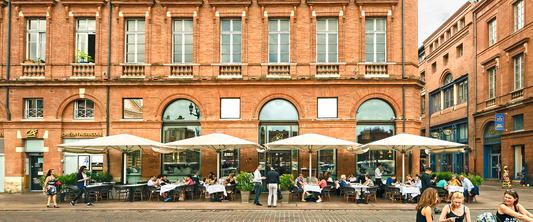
x=463, y=91
x=183, y=33
x=86, y=33
x=518, y=9
x=36, y=110
x=278, y=32
x=518, y=62
x=76, y=109
x=324, y=105
x=492, y=83
x=136, y=33
x=230, y=33
x=375, y=32
x=492, y=32
x=228, y=103
x=328, y=33
x=41, y=39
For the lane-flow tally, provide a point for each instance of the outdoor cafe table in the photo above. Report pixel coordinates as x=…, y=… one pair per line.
x=312, y=188
x=169, y=187
x=215, y=189
x=130, y=188
x=95, y=187
x=414, y=191
x=452, y=189
x=359, y=187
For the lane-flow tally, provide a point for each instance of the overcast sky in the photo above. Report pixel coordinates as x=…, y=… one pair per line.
x=432, y=13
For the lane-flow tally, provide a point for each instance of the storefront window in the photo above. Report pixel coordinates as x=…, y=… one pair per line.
x=133, y=167
x=71, y=161
x=230, y=163
x=373, y=126
x=327, y=162
x=181, y=121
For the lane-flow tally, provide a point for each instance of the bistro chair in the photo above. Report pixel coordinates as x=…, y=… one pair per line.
x=230, y=192
x=387, y=191
x=120, y=192
x=178, y=191
x=154, y=192
x=350, y=194
x=443, y=193
x=189, y=190
x=294, y=191
x=395, y=194
x=94, y=193
x=106, y=192
x=72, y=192
x=372, y=193
x=203, y=192
x=138, y=192
x=327, y=191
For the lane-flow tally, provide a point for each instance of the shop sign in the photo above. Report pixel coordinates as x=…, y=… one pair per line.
x=493, y=140
x=499, y=121
x=31, y=133
x=435, y=134
x=1, y=134
x=448, y=132
x=81, y=134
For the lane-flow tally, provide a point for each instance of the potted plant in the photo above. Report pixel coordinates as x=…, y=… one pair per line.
x=286, y=183
x=82, y=57
x=245, y=185
x=66, y=180
x=27, y=60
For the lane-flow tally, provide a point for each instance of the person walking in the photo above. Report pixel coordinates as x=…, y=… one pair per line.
x=81, y=183
x=426, y=184
x=428, y=200
x=272, y=179
x=50, y=187
x=258, y=180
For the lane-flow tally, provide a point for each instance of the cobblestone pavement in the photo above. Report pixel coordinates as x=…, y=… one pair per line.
x=217, y=215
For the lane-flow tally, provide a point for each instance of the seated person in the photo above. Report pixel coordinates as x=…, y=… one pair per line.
x=322, y=184
x=230, y=180
x=351, y=177
x=188, y=180
x=213, y=180
x=368, y=181
x=329, y=178
x=153, y=182
x=454, y=181
x=344, y=182
x=392, y=180
x=160, y=180
x=300, y=184
x=417, y=183
x=164, y=179
x=433, y=180
x=409, y=180
x=442, y=183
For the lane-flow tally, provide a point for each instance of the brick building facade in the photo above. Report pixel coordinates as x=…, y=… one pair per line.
x=498, y=34
x=258, y=70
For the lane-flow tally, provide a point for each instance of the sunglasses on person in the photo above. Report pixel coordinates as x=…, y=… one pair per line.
x=510, y=191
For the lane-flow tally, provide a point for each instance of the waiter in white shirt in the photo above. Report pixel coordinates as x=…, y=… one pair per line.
x=258, y=180
x=378, y=173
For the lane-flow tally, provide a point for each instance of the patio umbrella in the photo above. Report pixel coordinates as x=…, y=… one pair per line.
x=310, y=143
x=124, y=143
x=405, y=142
x=217, y=142
x=443, y=151
x=81, y=150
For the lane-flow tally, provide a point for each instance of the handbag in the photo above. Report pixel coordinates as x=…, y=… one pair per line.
x=279, y=195
x=58, y=183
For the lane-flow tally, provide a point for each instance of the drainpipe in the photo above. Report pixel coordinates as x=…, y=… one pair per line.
x=475, y=88
x=403, y=86
x=8, y=57
x=107, y=87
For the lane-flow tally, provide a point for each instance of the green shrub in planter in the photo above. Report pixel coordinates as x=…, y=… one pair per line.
x=286, y=181
x=245, y=181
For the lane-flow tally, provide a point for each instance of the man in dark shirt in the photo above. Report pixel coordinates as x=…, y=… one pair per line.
x=272, y=180
x=427, y=183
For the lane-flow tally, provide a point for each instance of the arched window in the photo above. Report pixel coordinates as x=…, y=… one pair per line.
x=278, y=120
x=181, y=121
x=375, y=121
x=448, y=79
x=83, y=109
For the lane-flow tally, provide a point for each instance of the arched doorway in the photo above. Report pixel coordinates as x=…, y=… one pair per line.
x=375, y=121
x=181, y=120
x=492, y=152
x=278, y=120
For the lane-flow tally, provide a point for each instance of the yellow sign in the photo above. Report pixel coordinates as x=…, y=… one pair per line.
x=81, y=134
x=1, y=134
x=31, y=133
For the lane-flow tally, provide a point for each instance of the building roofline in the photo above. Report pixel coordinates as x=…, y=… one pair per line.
x=451, y=18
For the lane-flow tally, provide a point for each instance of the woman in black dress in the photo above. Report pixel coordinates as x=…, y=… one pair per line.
x=455, y=211
x=511, y=210
x=50, y=187
x=428, y=201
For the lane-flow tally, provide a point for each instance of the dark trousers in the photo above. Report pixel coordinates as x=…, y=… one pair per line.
x=82, y=190
x=467, y=196
x=379, y=183
x=257, y=192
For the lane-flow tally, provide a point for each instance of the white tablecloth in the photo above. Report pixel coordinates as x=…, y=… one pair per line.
x=359, y=187
x=216, y=188
x=312, y=188
x=414, y=191
x=452, y=189
x=353, y=179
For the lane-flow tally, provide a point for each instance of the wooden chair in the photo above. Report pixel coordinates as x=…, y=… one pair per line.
x=230, y=191
x=138, y=192
x=189, y=190
x=72, y=192
x=94, y=194
x=106, y=192
x=372, y=193
x=395, y=194
x=178, y=191
x=350, y=194
x=443, y=194
x=154, y=193
x=294, y=191
x=326, y=192
x=387, y=191
x=120, y=192
x=203, y=192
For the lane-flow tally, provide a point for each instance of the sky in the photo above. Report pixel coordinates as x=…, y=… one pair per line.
x=432, y=14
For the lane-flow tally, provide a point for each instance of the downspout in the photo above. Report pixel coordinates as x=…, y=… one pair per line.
x=8, y=57
x=403, y=86
x=475, y=88
x=107, y=87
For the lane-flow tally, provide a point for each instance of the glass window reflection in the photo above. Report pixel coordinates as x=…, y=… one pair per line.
x=375, y=109
x=278, y=109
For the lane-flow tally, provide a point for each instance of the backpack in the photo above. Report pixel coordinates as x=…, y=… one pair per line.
x=486, y=217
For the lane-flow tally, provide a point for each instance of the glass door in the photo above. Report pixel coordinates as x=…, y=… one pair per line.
x=36, y=171
x=495, y=166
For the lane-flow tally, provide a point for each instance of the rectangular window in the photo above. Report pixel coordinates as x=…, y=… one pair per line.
x=518, y=122
x=448, y=98
x=492, y=83
x=455, y=29
x=134, y=166
x=327, y=108
x=279, y=40
x=133, y=108
x=230, y=108
x=463, y=23
x=492, y=32
x=459, y=50
x=376, y=39
x=462, y=91
x=326, y=40
x=327, y=162
x=446, y=59
x=449, y=33
x=463, y=131
x=84, y=109
x=230, y=48
x=36, y=40
x=85, y=39
x=135, y=36
x=519, y=72
x=34, y=109
x=518, y=15
x=423, y=103
x=434, y=67
x=182, y=41
x=436, y=102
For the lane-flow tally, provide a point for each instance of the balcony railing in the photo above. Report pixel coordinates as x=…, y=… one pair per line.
x=327, y=70
x=84, y=113
x=82, y=70
x=229, y=71
x=133, y=71
x=34, y=71
x=181, y=72
x=279, y=71
x=491, y=102
x=33, y=113
x=518, y=94
x=376, y=70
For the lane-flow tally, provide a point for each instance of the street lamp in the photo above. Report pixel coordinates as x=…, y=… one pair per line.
x=196, y=111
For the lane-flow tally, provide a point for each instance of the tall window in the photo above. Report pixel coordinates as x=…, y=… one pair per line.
x=279, y=40
x=34, y=109
x=519, y=72
x=436, y=103
x=86, y=37
x=518, y=122
x=135, y=34
x=462, y=91
x=375, y=39
x=231, y=41
x=446, y=59
x=463, y=131
x=459, y=50
x=182, y=41
x=492, y=83
x=423, y=108
x=492, y=32
x=434, y=67
x=448, y=98
x=326, y=40
x=84, y=109
x=36, y=39
x=518, y=15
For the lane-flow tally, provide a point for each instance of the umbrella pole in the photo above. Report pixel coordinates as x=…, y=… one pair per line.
x=124, y=168
x=310, y=169
x=218, y=166
x=403, y=167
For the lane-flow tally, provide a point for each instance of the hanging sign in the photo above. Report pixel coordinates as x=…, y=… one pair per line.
x=448, y=132
x=499, y=121
x=435, y=134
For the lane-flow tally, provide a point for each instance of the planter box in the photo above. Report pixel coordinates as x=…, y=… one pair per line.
x=29, y=62
x=245, y=196
x=285, y=195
